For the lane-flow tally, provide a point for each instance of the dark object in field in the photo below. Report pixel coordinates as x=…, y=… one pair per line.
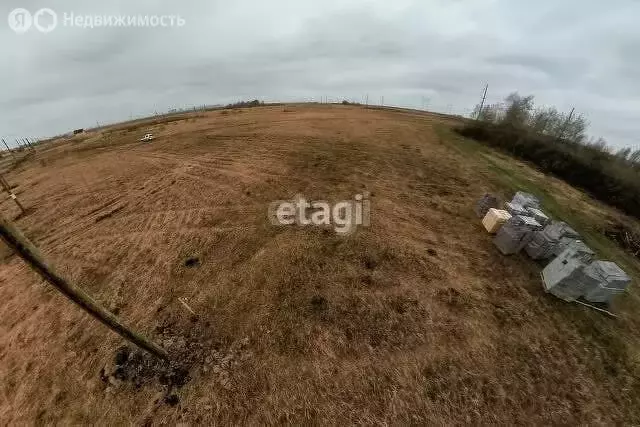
x=319, y=302
x=192, y=262
x=483, y=205
x=172, y=400
x=122, y=355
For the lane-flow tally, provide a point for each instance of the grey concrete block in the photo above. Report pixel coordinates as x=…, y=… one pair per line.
x=526, y=200
x=515, y=234
x=515, y=209
x=541, y=246
x=564, y=276
x=539, y=216
x=603, y=280
x=559, y=229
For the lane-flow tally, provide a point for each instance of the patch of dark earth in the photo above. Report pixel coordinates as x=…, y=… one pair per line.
x=191, y=350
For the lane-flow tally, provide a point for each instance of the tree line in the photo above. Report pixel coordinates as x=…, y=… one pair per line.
x=519, y=112
x=558, y=143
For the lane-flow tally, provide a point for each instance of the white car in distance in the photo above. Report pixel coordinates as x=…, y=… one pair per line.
x=147, y=137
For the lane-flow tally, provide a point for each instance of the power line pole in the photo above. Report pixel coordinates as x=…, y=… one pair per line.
x=566, y=123
x=484, y=98
x=32, y=256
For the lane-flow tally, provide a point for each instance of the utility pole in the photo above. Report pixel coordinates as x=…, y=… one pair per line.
x=32, y=256
x=566, y=123
x=484, y=98
x=8, y=149
x=367, y=102
x=571, y=115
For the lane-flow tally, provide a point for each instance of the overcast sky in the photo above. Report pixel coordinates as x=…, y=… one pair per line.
x=415, y=53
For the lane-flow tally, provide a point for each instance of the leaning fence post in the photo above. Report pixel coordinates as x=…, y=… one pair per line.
x=32, y=256
x=9, y=149
x=7, y=188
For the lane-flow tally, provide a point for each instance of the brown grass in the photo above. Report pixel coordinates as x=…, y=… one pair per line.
x=417, y=319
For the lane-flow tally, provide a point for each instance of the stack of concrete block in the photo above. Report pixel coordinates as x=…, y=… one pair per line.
x=483, y=205
x=551, y=241
x=494, y=219
x=515, y=234
x=563, y=244
x=539, y=216
x=541, y=246
x=526, y=200
x=515, y=209
x=564, y=276
x=560, y=229
x=602, y=280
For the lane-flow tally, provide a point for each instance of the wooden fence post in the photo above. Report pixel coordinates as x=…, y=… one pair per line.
x=9, y=149
x=32, y=256
x=7, y=188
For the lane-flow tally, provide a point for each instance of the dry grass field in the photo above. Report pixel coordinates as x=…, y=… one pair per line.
x=416, y=319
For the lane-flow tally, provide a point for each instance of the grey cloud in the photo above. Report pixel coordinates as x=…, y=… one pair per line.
x=568, y=54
